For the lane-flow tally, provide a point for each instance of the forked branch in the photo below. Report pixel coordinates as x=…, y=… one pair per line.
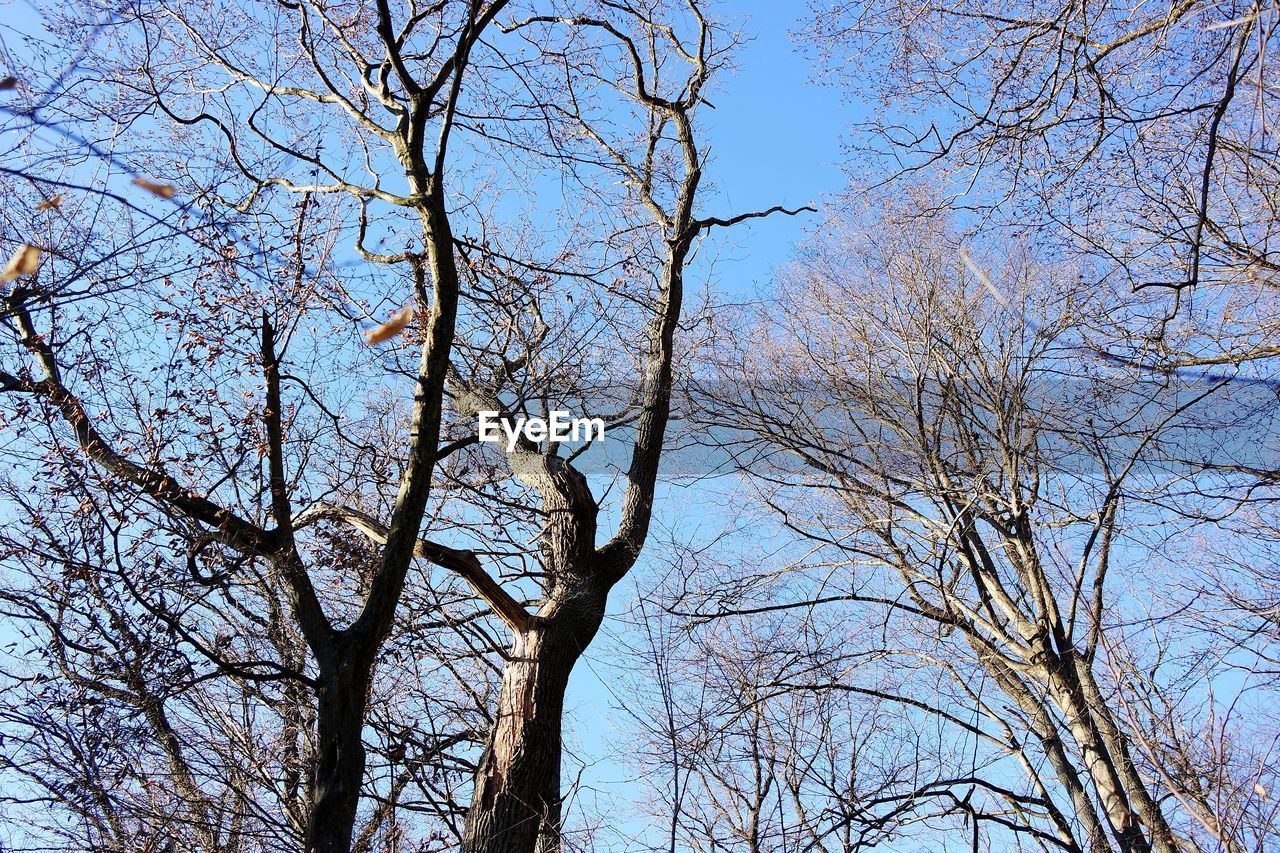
x=465, y=564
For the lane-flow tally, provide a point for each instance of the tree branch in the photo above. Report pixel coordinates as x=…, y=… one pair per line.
x=711, y=221
x=232, y=529
x=465, y=564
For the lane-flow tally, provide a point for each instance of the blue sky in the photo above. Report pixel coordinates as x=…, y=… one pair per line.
x=775, y=138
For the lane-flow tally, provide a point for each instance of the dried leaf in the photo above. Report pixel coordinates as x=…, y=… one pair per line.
x=50, y=204
x=8, y=83
x=162, y=190
x=1261, y=791
x=388, y=330
x=25, y=261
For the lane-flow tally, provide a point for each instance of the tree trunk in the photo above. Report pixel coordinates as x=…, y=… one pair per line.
x=1162, y=839
x=339, y=758
x=1126, y=826
x=515, y=806
x=1046, y=731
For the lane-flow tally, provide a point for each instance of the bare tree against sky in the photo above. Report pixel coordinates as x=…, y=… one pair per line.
x=264, y=588
x=959, y=468
x=1142, y=136
x=404, y=131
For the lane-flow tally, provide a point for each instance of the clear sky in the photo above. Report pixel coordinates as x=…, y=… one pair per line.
x=775, y=139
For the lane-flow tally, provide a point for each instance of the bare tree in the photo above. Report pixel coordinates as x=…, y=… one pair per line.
x=242, y=487
x=1146, y=133
x=984, y=480
x=781, y=728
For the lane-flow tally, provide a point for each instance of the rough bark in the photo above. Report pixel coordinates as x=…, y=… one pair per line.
x=339, y=760
x=516, y=803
